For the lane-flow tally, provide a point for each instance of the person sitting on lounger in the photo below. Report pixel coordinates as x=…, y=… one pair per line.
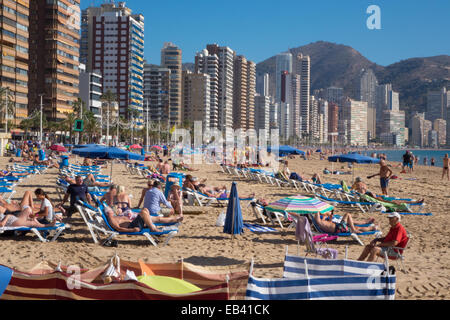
x=397, y=237
x=154, y=198
x=175, y=198
x=346, y=224
x=77, y=191
x=109, y=196
x=122, y=223
x=47, y=213
x=316, y=179
x=192, y=182
x=122, y=200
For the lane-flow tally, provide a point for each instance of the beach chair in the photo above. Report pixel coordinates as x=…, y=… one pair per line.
x=48, y=234
x=399, y=257
x=98, y=223
x=7, y=193
x=258, y=211
x=204, y=200
x=305, y=236
x=354, y=236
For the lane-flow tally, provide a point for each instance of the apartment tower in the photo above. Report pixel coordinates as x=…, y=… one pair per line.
x=113, y=45
x=54, y=56
x=171, y=58
x=304, y=70
x=14, y=56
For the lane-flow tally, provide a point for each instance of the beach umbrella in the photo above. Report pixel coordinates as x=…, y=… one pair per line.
x=57, y=147
x=300, y=205
x=284, y=151
x=353, y=158
x=234, y=222
x=156, y=147
x=135, y=146
x=109, y=153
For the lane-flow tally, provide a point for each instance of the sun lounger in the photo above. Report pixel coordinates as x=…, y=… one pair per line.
x=354, y=236
x=42, y=233
x=97, y=223
x=204, y=200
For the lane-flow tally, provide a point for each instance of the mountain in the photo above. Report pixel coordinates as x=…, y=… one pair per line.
x=340, y=65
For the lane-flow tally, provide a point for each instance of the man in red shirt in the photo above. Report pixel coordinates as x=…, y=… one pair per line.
x=397, y=237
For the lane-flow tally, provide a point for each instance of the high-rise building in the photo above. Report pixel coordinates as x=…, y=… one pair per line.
x=113, y=46
x=244, y=93
x=314, y=118
x=295, y=103
x=419, y=130
x=437, y=105
x=262, y=84
x=262, y=114
x=171, y=58
x=53, y=56
x=333, y=120
x=273, y=115
x=335, y=95
x=440, y=126
x=394, y=127
x=14, y=56
x=209, y=64
x=283, y=63
x=323, y=120
x=196, y=99
x=91, y=91
x=367, y=92
x=225, y=84
x=157, y=93
x=354, y=117
x=304, y=70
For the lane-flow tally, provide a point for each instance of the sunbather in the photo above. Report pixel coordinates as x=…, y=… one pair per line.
x=23, y=219
x=16, y=207
x=360, y=187
x=192, y=182
x=217, y=192
x=346, y=224
x=7, y=173
x=122, y=200
x=144, y=191
x=123, y=223
x=175, y=199
x=109, y=196
x=90, y=181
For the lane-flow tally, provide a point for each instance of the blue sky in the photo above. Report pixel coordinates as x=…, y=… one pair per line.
x=260, y=29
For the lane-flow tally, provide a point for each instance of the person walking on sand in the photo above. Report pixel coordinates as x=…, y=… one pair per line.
x=445, y=168
x=385, y=174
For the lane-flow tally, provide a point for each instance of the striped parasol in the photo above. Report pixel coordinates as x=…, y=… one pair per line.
x=300, y=205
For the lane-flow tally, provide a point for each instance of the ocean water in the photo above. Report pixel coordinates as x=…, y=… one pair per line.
x=397, y=155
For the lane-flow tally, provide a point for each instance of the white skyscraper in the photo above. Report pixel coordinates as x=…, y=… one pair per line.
x=113, y=46
x=262, y=84
x=304, y=70
x=367, y=92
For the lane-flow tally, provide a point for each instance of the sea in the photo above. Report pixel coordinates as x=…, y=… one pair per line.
x=397, y=155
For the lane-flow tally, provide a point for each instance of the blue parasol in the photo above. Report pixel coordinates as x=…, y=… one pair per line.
x=234, y=222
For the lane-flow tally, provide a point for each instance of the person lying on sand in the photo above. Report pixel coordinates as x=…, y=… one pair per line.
x=143, y=219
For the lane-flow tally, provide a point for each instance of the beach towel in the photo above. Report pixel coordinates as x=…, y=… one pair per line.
x=255, y=228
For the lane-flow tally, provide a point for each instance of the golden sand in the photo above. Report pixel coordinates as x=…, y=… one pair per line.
x=200, y=242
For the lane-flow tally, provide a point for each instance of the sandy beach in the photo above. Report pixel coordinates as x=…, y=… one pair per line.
x=200, y=242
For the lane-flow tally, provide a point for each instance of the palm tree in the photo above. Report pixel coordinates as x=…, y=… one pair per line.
x=91, y=125
x=6, y=108
x=69, y=123
x=107, y=98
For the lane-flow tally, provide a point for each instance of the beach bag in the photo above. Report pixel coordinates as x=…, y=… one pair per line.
x=221, y=220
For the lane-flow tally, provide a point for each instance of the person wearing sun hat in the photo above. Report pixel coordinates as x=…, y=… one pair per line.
x=397, y=237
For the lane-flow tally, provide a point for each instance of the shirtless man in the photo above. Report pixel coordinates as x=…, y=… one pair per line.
x=445, y=167
x=346, y=225
x=143, y=219
x=385, y=174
